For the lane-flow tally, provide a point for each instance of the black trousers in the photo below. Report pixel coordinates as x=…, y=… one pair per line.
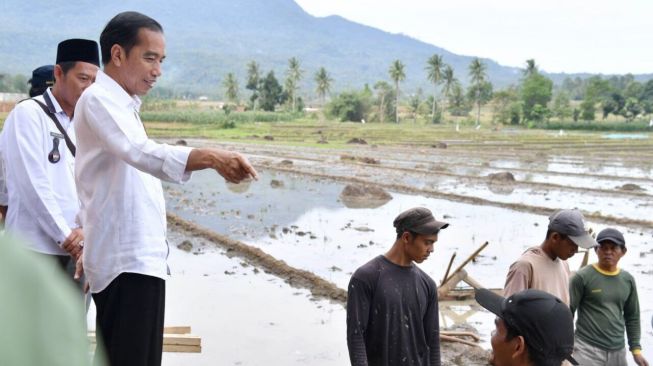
x=130, y=319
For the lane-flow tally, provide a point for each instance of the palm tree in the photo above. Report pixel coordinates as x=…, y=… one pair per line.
x=293, y=76
x=449, y=80
x=323, y=81
x=434, y=67
x=477, y=75
x=231, y=85
x=253, y=79
x=383, y=90
x=531, y=68
x=397, y=74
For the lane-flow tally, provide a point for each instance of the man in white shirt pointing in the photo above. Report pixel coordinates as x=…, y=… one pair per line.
x=118, y=173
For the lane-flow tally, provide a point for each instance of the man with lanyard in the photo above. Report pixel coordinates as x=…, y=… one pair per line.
x=42, y=78
x=38, y=153
x=118, y=172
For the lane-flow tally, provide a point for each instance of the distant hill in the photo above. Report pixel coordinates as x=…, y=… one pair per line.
x=206, y=39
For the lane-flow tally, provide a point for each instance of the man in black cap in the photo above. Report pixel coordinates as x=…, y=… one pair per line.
x=392, y=305
x=545, y=267
x=42, y=78
x=38, y=146
x=533, y=328
x=605, y=297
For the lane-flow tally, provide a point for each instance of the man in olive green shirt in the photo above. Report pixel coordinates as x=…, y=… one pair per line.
x=607, y=303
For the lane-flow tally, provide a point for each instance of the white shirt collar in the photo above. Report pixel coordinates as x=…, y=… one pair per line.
x=108, y=83
x=55, y=103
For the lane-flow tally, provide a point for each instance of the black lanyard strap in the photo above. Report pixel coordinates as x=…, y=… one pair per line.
x=50, y=111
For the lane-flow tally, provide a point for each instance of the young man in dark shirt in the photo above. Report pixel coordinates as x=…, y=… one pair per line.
x=392, y=306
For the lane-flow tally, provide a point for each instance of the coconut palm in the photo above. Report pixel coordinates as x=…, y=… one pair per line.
x=477, y=75
x=323, y=81
x=253, y=79
x=231, y=85
x=531, y=67
x=449, y=81
x=397, y=74
x=434, y=67
x=293, y=76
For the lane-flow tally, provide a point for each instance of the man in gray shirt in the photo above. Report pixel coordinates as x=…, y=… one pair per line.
x=392, y=305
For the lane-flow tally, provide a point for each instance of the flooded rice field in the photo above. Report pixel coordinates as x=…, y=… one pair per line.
x=295, y=213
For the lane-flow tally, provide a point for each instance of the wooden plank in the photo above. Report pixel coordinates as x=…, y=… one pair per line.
x=181, y=348
x=469, y=259
x=451, y=283
x=182, y=339
x=177, y=330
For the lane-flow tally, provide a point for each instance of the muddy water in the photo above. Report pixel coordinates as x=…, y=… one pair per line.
x=301, y=221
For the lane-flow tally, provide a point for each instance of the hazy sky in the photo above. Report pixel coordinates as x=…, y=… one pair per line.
x=598, y=36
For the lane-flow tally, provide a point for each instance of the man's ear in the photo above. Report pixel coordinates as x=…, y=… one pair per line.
x=406, y=236
x=117, y=54
x=58, y=72
x=519, y=350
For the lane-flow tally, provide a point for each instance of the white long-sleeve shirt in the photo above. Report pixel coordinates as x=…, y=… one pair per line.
x=42, y=197
x=118, y=172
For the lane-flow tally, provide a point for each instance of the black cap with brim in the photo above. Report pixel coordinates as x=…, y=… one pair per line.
x=42, y=77
x=419, y=220
x=612, y=235
x=535, y=314
x=78, y=50
x=584, y=241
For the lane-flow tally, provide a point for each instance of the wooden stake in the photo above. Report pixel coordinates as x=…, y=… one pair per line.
x=446, y=274
x=469, y=259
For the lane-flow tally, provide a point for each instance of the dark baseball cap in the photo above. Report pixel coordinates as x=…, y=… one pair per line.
x=542, y=319
x=42, y=77
x=572, y=224
x=612, y=235
x=419, y=220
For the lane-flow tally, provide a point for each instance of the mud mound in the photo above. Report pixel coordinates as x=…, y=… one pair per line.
x=502, y=177
x=286, y=163
x=275, y=183
x=185, y=245
x=440, y=145
x=456, y=354
x=268, y=137
x=630, y=187
x=181, y=143
x=358, y=141
x=364, y=196
x=361, y=159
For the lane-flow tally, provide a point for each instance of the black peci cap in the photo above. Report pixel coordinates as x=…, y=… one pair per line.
x=419, y=220
x=78, y=50
x=542, y=319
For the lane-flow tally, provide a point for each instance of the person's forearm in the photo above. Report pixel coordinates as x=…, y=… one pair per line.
x=200, y=159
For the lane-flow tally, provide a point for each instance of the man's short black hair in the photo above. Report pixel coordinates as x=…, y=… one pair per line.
x=536, y=358
x=123, y=30
x=549, y=232
x=67, y=66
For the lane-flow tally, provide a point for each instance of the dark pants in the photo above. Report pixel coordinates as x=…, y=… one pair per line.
x=130, y=319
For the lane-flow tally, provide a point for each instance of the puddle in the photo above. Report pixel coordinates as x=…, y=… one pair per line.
x=303, y=223
x=625, y=136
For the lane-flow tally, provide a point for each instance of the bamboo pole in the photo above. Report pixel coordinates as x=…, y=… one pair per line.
x=446, y=274
x=469, y=259
x=447, y=338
